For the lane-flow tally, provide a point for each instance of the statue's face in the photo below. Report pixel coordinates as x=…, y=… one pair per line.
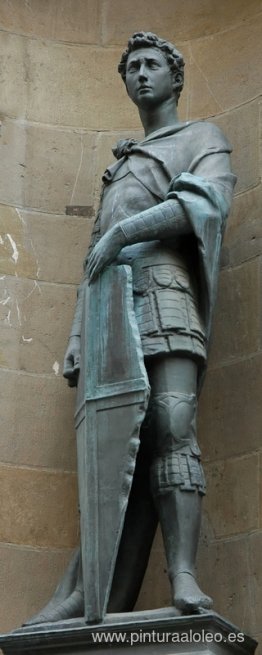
x=149, y=80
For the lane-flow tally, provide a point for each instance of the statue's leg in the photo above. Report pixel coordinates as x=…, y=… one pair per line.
x=67, y=600
x=137, y=536
x=138, y=533
x=176, y=474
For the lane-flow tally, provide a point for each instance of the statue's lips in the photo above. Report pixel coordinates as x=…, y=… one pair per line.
x=144, y=88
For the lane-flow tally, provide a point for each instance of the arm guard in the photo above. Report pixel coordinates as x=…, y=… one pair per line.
x=162, y=221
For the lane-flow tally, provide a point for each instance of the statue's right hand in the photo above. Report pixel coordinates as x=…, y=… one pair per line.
x=72, y=361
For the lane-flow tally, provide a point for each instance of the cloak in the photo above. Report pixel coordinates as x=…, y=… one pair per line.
x=189, y=162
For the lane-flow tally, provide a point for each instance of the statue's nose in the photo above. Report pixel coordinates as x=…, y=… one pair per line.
x=142, y=72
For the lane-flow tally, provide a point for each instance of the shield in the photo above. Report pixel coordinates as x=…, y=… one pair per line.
x=112, y=398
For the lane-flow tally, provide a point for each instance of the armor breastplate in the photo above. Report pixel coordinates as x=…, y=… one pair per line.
x=124, y=197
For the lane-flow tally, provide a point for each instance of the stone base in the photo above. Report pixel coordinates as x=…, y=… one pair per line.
x=151, y=633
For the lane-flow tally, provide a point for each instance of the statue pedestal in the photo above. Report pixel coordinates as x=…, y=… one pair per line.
x=156, y=632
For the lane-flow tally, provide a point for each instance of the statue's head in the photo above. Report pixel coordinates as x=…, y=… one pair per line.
x=174, y=59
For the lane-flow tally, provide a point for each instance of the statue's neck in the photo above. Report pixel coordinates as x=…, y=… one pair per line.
x=155, y=118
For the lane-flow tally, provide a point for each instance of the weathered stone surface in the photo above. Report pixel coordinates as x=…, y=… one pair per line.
x=35, y=507
x=232, y=502
x=230, y=413
x=179, y=21
x=41, y=246
x=35, y=320
x=246, y=207
x=230, y=570
x=246, y=243
x=255, y=579
x=37, y=427
x=230, y=64
x=45, y=168
x=16, y=246
x=260, y=487
x=65, y=21
x=81, y=76
x=28, y=576
x=258, y=637
x=241, y=126
x=236, y=329
x=243, y=235
x=201, y=99
x=85, y=66
x=13, y=76
x=223, y=572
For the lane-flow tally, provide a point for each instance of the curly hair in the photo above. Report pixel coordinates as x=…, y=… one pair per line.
x=149, y=40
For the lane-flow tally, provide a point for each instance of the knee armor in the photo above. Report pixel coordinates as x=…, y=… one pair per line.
x=172, y=415
x=177, y=461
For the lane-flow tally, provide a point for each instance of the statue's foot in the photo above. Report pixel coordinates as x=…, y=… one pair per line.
x=71, y=608
x=188, y=597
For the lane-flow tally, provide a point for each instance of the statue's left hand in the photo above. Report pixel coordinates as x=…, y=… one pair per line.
x=105, y=251
x=72, y=361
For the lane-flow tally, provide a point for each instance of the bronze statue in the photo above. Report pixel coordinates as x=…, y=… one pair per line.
x=162, y=216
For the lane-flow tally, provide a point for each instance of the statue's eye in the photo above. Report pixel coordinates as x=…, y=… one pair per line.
x=132, y=68
x=153, y=64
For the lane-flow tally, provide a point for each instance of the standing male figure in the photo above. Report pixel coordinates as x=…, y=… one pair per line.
x=163, y=210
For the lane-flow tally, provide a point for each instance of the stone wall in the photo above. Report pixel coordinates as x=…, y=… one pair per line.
x=62, y=106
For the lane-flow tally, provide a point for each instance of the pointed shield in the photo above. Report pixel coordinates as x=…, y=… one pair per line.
x=112, y=398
